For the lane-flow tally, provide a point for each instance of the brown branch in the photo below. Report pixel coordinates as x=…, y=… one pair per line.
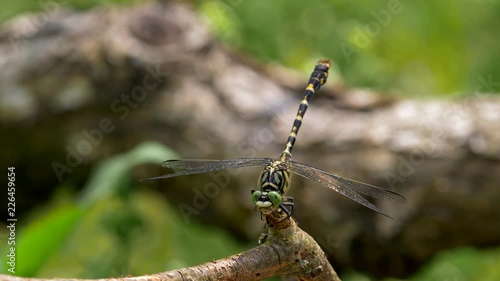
x=286, y=251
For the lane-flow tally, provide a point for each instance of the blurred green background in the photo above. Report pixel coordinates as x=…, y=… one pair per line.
x=382, y=45
x=418, y=48
x=411, y=48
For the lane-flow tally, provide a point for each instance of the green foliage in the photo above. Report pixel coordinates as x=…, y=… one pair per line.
x=42, y=238
x=135, y=236
x=47, y=233
x=461, y=264
x=48, y=7
x=412, y=47
x=422, y=48
x=110, y=176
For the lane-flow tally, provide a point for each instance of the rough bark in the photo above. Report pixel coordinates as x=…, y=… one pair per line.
x=65, y=75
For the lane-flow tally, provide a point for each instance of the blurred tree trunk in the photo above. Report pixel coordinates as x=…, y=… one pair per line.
x=77, y=87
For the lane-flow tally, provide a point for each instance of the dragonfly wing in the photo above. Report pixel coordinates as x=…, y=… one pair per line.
x=198, y=166
x=324, y=178
x=363, y=188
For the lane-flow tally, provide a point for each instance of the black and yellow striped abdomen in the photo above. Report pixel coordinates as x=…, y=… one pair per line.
x=317, y=79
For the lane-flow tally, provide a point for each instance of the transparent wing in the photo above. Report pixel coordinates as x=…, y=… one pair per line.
x=346, y=187
x=198, y=166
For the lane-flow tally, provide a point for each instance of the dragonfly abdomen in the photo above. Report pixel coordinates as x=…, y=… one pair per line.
x=317, y=79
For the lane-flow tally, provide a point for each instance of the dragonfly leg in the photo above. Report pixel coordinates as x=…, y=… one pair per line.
x=289, y=203
x=262, y=238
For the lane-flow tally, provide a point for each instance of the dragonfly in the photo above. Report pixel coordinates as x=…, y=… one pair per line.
x=274, y=181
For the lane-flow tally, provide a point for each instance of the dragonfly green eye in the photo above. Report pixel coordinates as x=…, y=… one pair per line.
x=274, y=197
x=256, y=196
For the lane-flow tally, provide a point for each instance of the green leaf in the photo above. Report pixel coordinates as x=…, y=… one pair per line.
x=109, y=175
x=38, y=241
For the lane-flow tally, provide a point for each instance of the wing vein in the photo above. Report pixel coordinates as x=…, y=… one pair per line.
x=197, y=166
x=348, y=188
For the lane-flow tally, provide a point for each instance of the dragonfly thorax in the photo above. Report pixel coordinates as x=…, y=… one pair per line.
x=276, y=177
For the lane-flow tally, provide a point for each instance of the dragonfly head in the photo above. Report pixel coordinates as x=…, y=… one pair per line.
x=273, y=183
